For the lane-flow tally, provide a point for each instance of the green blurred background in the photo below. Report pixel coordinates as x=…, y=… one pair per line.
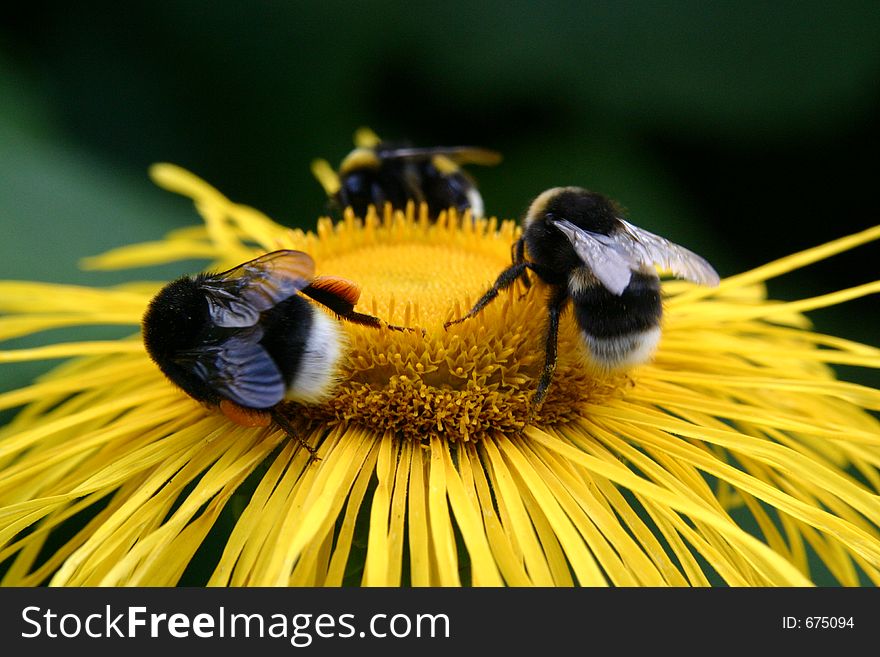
x=743, y=130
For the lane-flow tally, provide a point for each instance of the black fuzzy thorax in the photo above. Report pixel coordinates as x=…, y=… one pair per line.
x=588, y=210
x=550, y=252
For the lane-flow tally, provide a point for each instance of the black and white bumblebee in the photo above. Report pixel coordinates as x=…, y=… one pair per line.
x=378, y=172
x=245, y=340
x=577, y=242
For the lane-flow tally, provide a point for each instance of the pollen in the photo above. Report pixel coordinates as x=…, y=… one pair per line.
x=465, y=383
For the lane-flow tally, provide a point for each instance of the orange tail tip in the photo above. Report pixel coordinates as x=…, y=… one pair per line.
x=339, y=287
x=246, y=417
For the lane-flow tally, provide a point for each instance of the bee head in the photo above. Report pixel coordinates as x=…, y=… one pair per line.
x=588, y=210
x=175, y=319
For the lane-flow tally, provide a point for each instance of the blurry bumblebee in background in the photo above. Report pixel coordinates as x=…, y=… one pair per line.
x=580, y=246
x=378, y=172
x=245, y=340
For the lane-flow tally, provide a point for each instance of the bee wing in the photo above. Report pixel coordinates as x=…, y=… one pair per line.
x=607, y=261
x=237, y=297
x=458, y=154
x=239, y=369
x=650, y=249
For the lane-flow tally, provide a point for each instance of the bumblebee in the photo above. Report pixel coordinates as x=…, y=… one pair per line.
x=245, y=340
x=578, y=244
x=378, y=172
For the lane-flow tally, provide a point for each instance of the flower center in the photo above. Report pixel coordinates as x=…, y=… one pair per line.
x=469, y=381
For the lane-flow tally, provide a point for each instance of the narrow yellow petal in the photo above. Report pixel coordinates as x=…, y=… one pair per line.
x=13, y=327
x=554, y=552
x=784, y=265
x=314, y=508
x=180, y=181
x=784, y=572
x=692, y=569
x=234, y=560
x=245, y=562
x=106, y=546
x=511, y=499
x=440, y=521
x=509, y=562
x=311, y=563
x=642, y=533
x=603, y=532
x=771, y=311
x=151, y=253
x=397, y=520
x=342, y=549
x=468, y=520
x=220, y=232
x=419, y=541
x=582, y=561
x=35, y=297
x=376, y=566
x=859, y=498
x=162, y=556
x=71, y=349
x=326, y=176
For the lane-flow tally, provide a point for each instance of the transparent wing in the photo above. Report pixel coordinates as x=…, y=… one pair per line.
x=237, y=297
x=611, y=265
x=239, y=369
x=459, y=154
x=650, y=249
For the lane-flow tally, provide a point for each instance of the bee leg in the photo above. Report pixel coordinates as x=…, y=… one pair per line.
x=504, y=280
x=374, y=322
x=554, y=310
x=287, y=428
x=340, y=296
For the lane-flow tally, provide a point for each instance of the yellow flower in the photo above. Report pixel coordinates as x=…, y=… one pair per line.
x=428, y=473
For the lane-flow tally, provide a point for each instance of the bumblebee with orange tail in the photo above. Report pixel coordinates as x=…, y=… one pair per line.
x=245, y=340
